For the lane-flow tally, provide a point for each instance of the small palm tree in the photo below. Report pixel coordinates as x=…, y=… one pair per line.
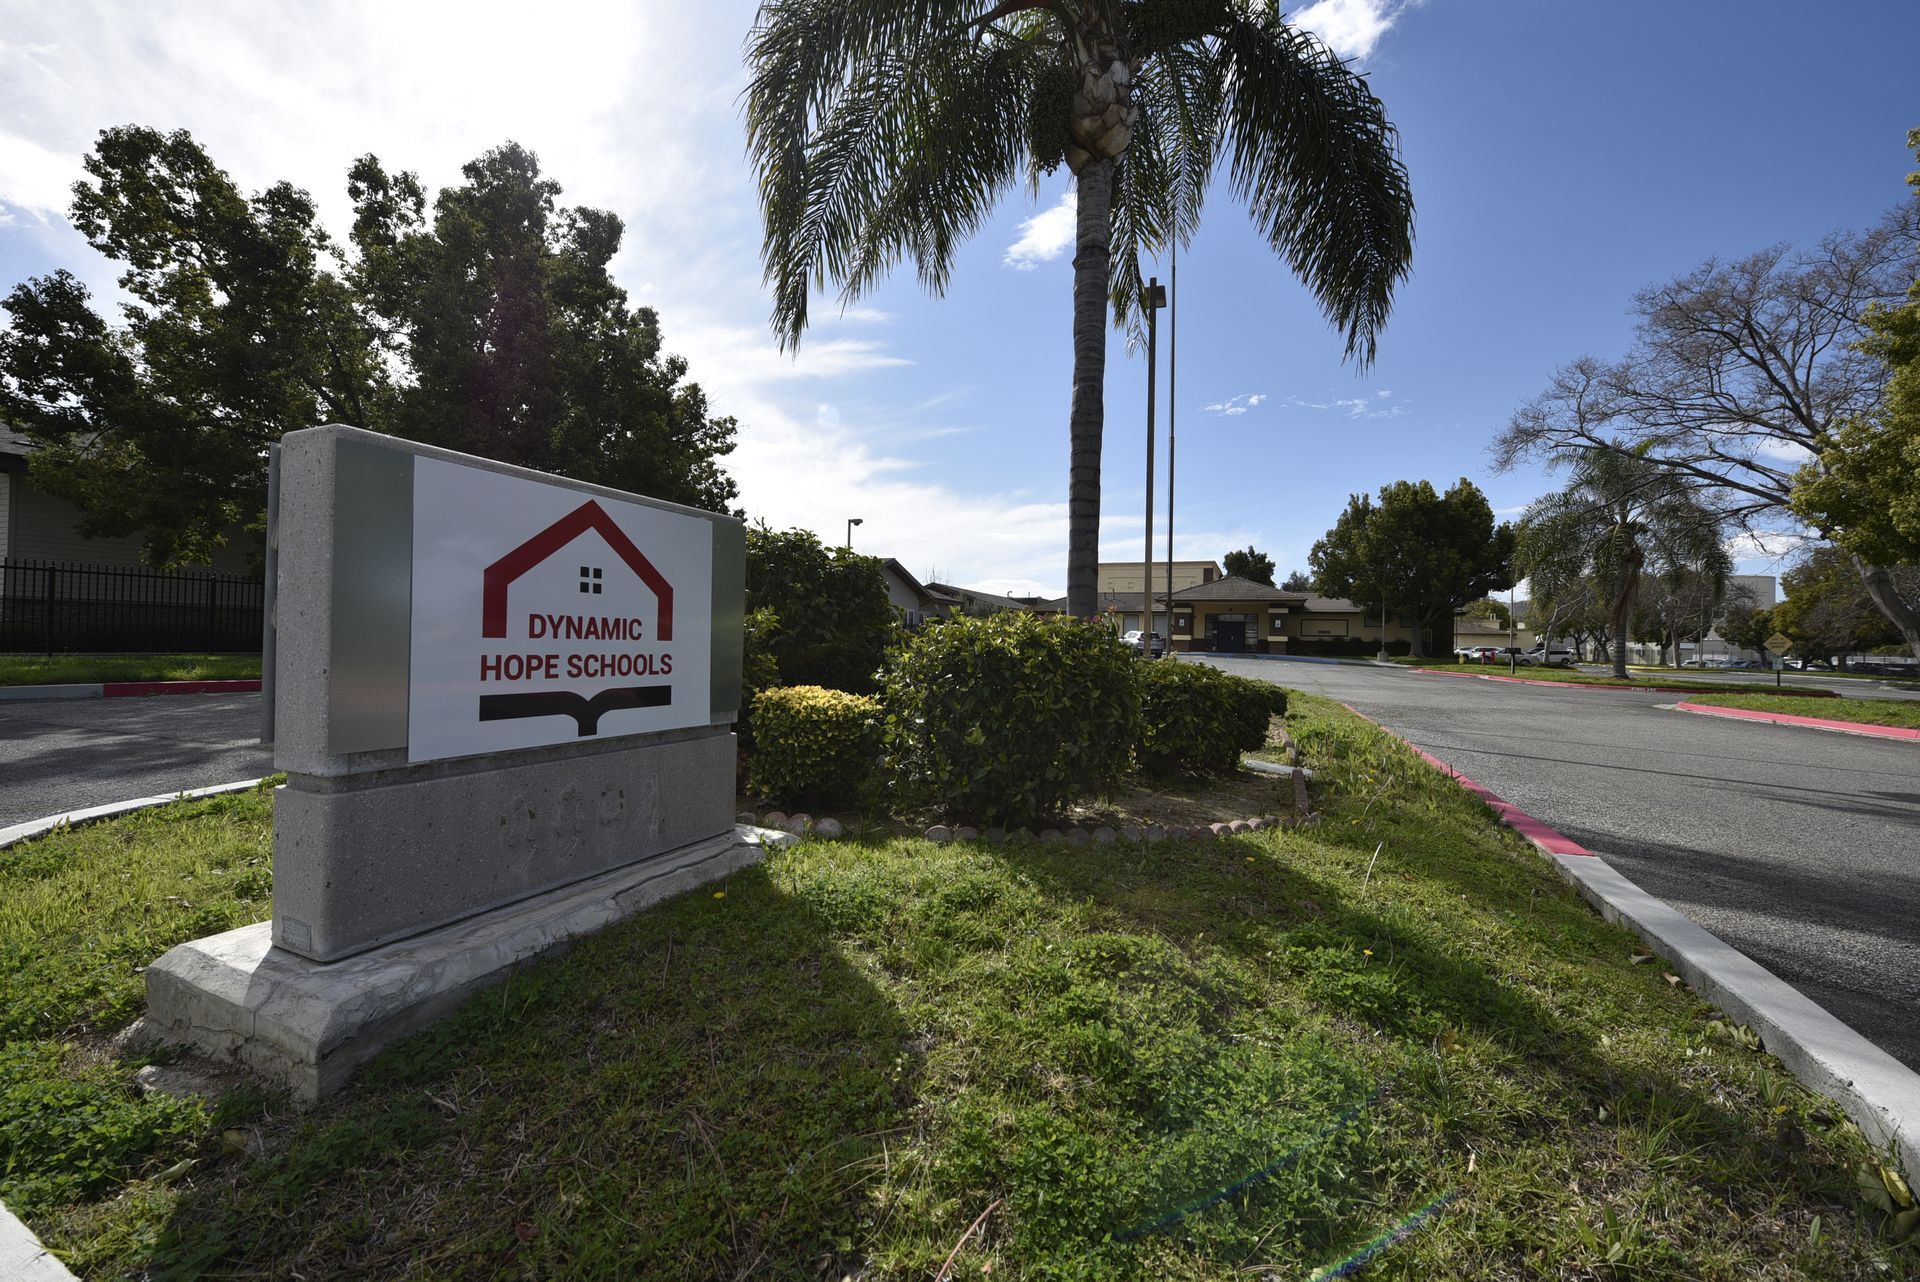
x=1620, y=518
x=889, y=128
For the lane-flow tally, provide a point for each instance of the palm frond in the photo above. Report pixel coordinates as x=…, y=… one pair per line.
x=879, y=127
x=1317, y=162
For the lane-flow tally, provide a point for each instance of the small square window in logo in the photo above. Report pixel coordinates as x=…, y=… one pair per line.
x=590, y=579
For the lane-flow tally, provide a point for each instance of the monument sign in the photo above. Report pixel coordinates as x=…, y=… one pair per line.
x=504, y=703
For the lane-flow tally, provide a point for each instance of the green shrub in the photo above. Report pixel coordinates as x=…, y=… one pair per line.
x=814, y=744
x=1195, y=718
x=835, y=619
x=1006, y=719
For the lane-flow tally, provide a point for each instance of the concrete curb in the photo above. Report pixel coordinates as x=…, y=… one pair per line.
x=1581, y=685
x=1811, y=723
x=22, y=1258
x=128, y=689
x=1877, y=1091
x=92, y=814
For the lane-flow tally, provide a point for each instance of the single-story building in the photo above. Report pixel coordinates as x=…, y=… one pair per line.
x=974, y=602
x=1229, y=614
x=36, y=526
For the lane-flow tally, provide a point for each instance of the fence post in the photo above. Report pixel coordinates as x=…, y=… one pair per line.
x=48, y=637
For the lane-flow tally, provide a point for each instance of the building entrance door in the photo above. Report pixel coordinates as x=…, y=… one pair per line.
x=1229, y=638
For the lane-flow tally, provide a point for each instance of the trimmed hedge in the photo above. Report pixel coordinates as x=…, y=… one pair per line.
x=1006, y=719
x=814, y=744
x=1196, y=719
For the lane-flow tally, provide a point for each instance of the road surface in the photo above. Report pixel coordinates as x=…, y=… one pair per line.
x=1799, y=847
x=60, y=755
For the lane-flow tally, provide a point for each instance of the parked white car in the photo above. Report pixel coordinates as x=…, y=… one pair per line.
x=1541, y=655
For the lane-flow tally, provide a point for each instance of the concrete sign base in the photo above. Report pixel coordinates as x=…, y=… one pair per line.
x=308, y=1026
x=362, y=859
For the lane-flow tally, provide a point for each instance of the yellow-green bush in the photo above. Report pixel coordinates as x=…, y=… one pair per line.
x=814, y=744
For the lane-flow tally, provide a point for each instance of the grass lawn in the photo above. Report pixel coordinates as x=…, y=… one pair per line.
x=1573, y=676
x=1873, y=712
x=75, y=669
x=1392, y=1038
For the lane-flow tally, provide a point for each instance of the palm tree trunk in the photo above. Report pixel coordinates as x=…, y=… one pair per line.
x=1622, y=607
x=1091, y=267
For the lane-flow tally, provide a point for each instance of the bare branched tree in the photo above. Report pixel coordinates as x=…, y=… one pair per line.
x=1739, y=376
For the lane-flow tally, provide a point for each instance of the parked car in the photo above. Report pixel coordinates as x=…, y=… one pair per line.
x=1542, y=655
x=1159, y=644
x=1478, y=653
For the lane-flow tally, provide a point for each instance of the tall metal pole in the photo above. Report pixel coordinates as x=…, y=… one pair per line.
x=1146, y=567
x=1173, y=402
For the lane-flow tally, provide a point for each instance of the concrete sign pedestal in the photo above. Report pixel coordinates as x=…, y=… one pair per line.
x=504, y=703
x=307, y=1026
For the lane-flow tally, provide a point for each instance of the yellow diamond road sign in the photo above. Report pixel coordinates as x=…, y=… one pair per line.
x=1779, y=643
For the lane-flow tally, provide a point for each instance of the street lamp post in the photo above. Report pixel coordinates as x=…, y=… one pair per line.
x=851, y=522
x=1173, y=385
x=1151, y=301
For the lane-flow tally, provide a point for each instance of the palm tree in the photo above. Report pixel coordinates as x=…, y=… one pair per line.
x=889, y=128
x=1620, y=517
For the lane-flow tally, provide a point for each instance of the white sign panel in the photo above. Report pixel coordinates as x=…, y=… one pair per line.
x=544, y=615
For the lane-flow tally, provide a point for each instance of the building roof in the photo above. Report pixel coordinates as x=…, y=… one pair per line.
x=1119, y=602
x=1235, y=587
x=948, y=592
x=12, y=442
x=905, y=575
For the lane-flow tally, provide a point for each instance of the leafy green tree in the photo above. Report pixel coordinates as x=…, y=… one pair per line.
x=834, y=619
x=1861, y=489
x=1828, y=612
x=1250, y=564
x=1417, y=553
x=1620, y=517
x=1748, y=626
x=496, y=330
x=884, y=129
x=1298, y=581
x=239, y=329
x=1488, y=608
x=519, y=344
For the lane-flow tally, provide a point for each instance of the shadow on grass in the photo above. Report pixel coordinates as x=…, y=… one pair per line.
x=699, y=1092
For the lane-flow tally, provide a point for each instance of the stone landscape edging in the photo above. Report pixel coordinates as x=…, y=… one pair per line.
x=1789, y=719
x=93, y=814
x=1877, y=1091
x=129, y=689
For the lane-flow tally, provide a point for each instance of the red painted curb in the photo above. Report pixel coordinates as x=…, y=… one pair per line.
x=1546, y=839
x=1789, y=719
x=126, y=689
x=1580, y=685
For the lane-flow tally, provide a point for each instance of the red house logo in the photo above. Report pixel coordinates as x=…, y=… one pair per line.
x=588, y=516
x=500, y=576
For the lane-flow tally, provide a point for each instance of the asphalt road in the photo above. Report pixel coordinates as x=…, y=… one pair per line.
x=1799, y=847
x=60, y=755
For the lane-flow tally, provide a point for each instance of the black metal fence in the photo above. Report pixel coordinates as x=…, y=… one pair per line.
x=60, y=606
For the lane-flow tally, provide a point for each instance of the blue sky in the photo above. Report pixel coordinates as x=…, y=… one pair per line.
x=1562, y=156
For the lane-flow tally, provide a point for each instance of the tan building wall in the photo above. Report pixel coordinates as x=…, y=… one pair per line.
x=1124, y=576
x=41, y=527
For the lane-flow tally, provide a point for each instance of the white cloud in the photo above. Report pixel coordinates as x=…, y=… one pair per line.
x=1352, y=406
x=1234, y=406
x=1043, y=237
x=1351, y=28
